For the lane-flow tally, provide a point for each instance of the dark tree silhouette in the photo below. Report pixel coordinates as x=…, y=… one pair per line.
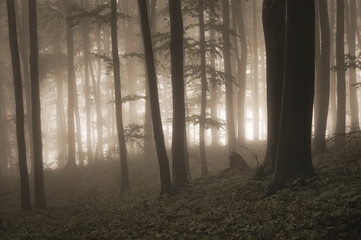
x=228, y=73
x=118, y=99
x=36, y=117
x=19, y=105
x=273, y=18
x=323, y=84
x=294, y=141
x=179, y=124
x=165, y=181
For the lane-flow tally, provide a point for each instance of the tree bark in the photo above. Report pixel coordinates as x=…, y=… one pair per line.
x=19, y=107
x=294, y=142
x=323, y=86
x=36, y=117
x=232, y=147
x=274, y=15
x=118, y=99
x=165, y=181
x=179, y=123
x=255, y=74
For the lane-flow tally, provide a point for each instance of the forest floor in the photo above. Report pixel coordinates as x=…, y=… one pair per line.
x=85, y=204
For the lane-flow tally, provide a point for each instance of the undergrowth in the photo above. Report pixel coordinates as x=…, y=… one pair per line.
x=86, y=204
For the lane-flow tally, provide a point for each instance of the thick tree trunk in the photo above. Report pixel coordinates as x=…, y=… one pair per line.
x=232, y=147
x=19, y=107
x=323, y=86
x=274, y=15
x=36, y=117
x=118, y=99
x=179, y=124
x=165, y=181
x=294, y=141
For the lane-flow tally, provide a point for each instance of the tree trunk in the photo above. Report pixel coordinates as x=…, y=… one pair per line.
x=274, y=15
x=242, y=71
x=341, y=83
x=232, y=147
x=19, y=106
x=323, y=86
x=71, y=92
x=255, y=74
x=166, y=186
x=294, y=142
x=36, y=117
x=179, y=123
x=333, y=80
x=202, y=117
x=351, y=24
x=86, y=50
x=118, y=99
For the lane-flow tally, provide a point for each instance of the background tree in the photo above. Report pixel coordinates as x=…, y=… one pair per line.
x=24, y=179
x=36, y=117
x=165, y=181
x=118, y=99
x=177, y=69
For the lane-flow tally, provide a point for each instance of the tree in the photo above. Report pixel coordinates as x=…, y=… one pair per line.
x=322, y=84
x=36, y=117
x=229, y=82
x=24, y=178
x=179, y=124
x=71, y=91
x=118, y=99
x=273, y=18
x=255, y=74
x=293, y=157
x=341, y=83
x=165, y=181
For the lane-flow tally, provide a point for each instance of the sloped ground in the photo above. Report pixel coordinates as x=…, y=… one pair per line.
x=228, y=205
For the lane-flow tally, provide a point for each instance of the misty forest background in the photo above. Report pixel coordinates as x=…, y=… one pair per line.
x=246, y=125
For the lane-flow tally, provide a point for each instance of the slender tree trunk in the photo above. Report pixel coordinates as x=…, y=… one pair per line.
x=294, y=144
x=202, y=117
x=255, y=74
x=333, y=80
x=78, y=132
x=323, y=88
x=86, y=50
x=232, y=147
x=166, y=186
x=242, y=72
x=351, y=24
x=24, y=48
x=19, y=106
x=179, y=123
x=35, y=97
x=71, y=93
x=118, y=99
x=341, y=83
x=274, y=15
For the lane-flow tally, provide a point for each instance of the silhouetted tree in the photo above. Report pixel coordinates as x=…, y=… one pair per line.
x=19, y=106
x=166, y=186
x=293, y=157
x=273, y=18
x=118, y=99
x=179, y=124
x=36, y=117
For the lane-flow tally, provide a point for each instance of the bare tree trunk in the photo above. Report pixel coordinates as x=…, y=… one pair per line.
x=228, y=72
x=165, y=181
x=35, y=97
x=118, y=99
x=20, y=131
x=255, y=74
